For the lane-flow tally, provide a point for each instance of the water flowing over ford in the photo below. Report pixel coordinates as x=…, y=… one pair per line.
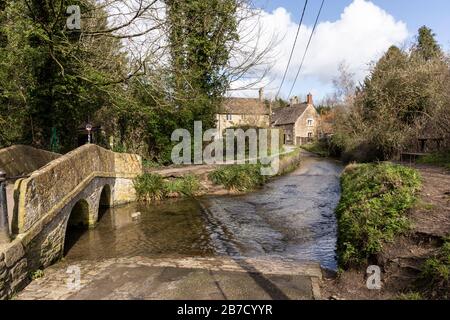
x=290, y=219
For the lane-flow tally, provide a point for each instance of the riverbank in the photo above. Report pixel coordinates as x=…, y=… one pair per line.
x=403, y=261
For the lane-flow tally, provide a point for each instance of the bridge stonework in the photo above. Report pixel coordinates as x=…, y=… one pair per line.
x=68, y=190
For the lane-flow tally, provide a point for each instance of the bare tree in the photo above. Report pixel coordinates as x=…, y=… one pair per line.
x=344, y=85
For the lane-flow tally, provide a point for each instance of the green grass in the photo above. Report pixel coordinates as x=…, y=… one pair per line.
x=438, y=159
x=436, y=271
x=373, y=208
x=238, y=177
x=153, y=187
x=187, y=186
x=317, y=148
x=150, y=187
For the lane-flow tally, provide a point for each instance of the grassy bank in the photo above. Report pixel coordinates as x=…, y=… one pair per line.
x=151, y=187
x=248, y=177
x=241, y=178
x=437, y=159
x=373, y=208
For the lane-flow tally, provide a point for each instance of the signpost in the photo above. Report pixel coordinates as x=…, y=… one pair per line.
x=89, y=130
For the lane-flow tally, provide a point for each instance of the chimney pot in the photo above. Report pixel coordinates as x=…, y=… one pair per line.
x=309, y=99
x=261, y=94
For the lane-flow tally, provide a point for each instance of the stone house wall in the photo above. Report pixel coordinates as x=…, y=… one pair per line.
x=302, y=129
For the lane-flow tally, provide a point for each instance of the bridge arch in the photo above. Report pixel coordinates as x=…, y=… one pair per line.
x=106, y=196
x=77, y=223
x=79, y=215
x=105, y=201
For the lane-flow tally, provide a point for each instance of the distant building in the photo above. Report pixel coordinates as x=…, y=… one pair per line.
x=299, y=121
x=240, y=112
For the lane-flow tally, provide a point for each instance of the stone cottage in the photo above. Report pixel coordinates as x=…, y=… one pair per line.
x=299, y=121
x=239, y=112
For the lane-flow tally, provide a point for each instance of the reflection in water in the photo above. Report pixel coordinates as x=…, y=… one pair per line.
x=291, y=218
x=171, y=228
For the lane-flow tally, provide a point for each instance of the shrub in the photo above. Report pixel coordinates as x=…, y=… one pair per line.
x=372, y=210
x=150, y=187
x=238, y=177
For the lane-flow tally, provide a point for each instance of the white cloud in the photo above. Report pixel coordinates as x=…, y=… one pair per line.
x=361, y=35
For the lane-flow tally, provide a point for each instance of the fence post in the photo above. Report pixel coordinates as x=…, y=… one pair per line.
x=5, y=236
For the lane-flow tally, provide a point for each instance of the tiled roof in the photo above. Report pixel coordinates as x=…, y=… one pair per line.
x=288, y=115
x=244, y=106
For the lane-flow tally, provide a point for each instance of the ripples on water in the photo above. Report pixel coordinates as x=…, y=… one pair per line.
x=291, y=218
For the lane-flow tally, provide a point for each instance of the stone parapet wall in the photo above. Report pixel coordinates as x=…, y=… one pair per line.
x=51, y=187
x=20, y=160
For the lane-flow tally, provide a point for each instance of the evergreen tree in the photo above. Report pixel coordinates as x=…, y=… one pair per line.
x=385, y=78
x=427, y=47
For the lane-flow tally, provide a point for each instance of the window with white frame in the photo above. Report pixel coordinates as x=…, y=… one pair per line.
x=310, y=122
x=229, y=117
x=310, y=135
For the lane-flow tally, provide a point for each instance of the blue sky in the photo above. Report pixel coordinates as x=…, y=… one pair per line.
x=415, y=13
x=386, y=22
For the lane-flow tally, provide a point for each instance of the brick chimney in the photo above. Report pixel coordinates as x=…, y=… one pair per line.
x=261, y=94
x=309, y=99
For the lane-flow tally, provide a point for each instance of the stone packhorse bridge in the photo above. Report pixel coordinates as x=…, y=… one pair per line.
x=68, y=190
